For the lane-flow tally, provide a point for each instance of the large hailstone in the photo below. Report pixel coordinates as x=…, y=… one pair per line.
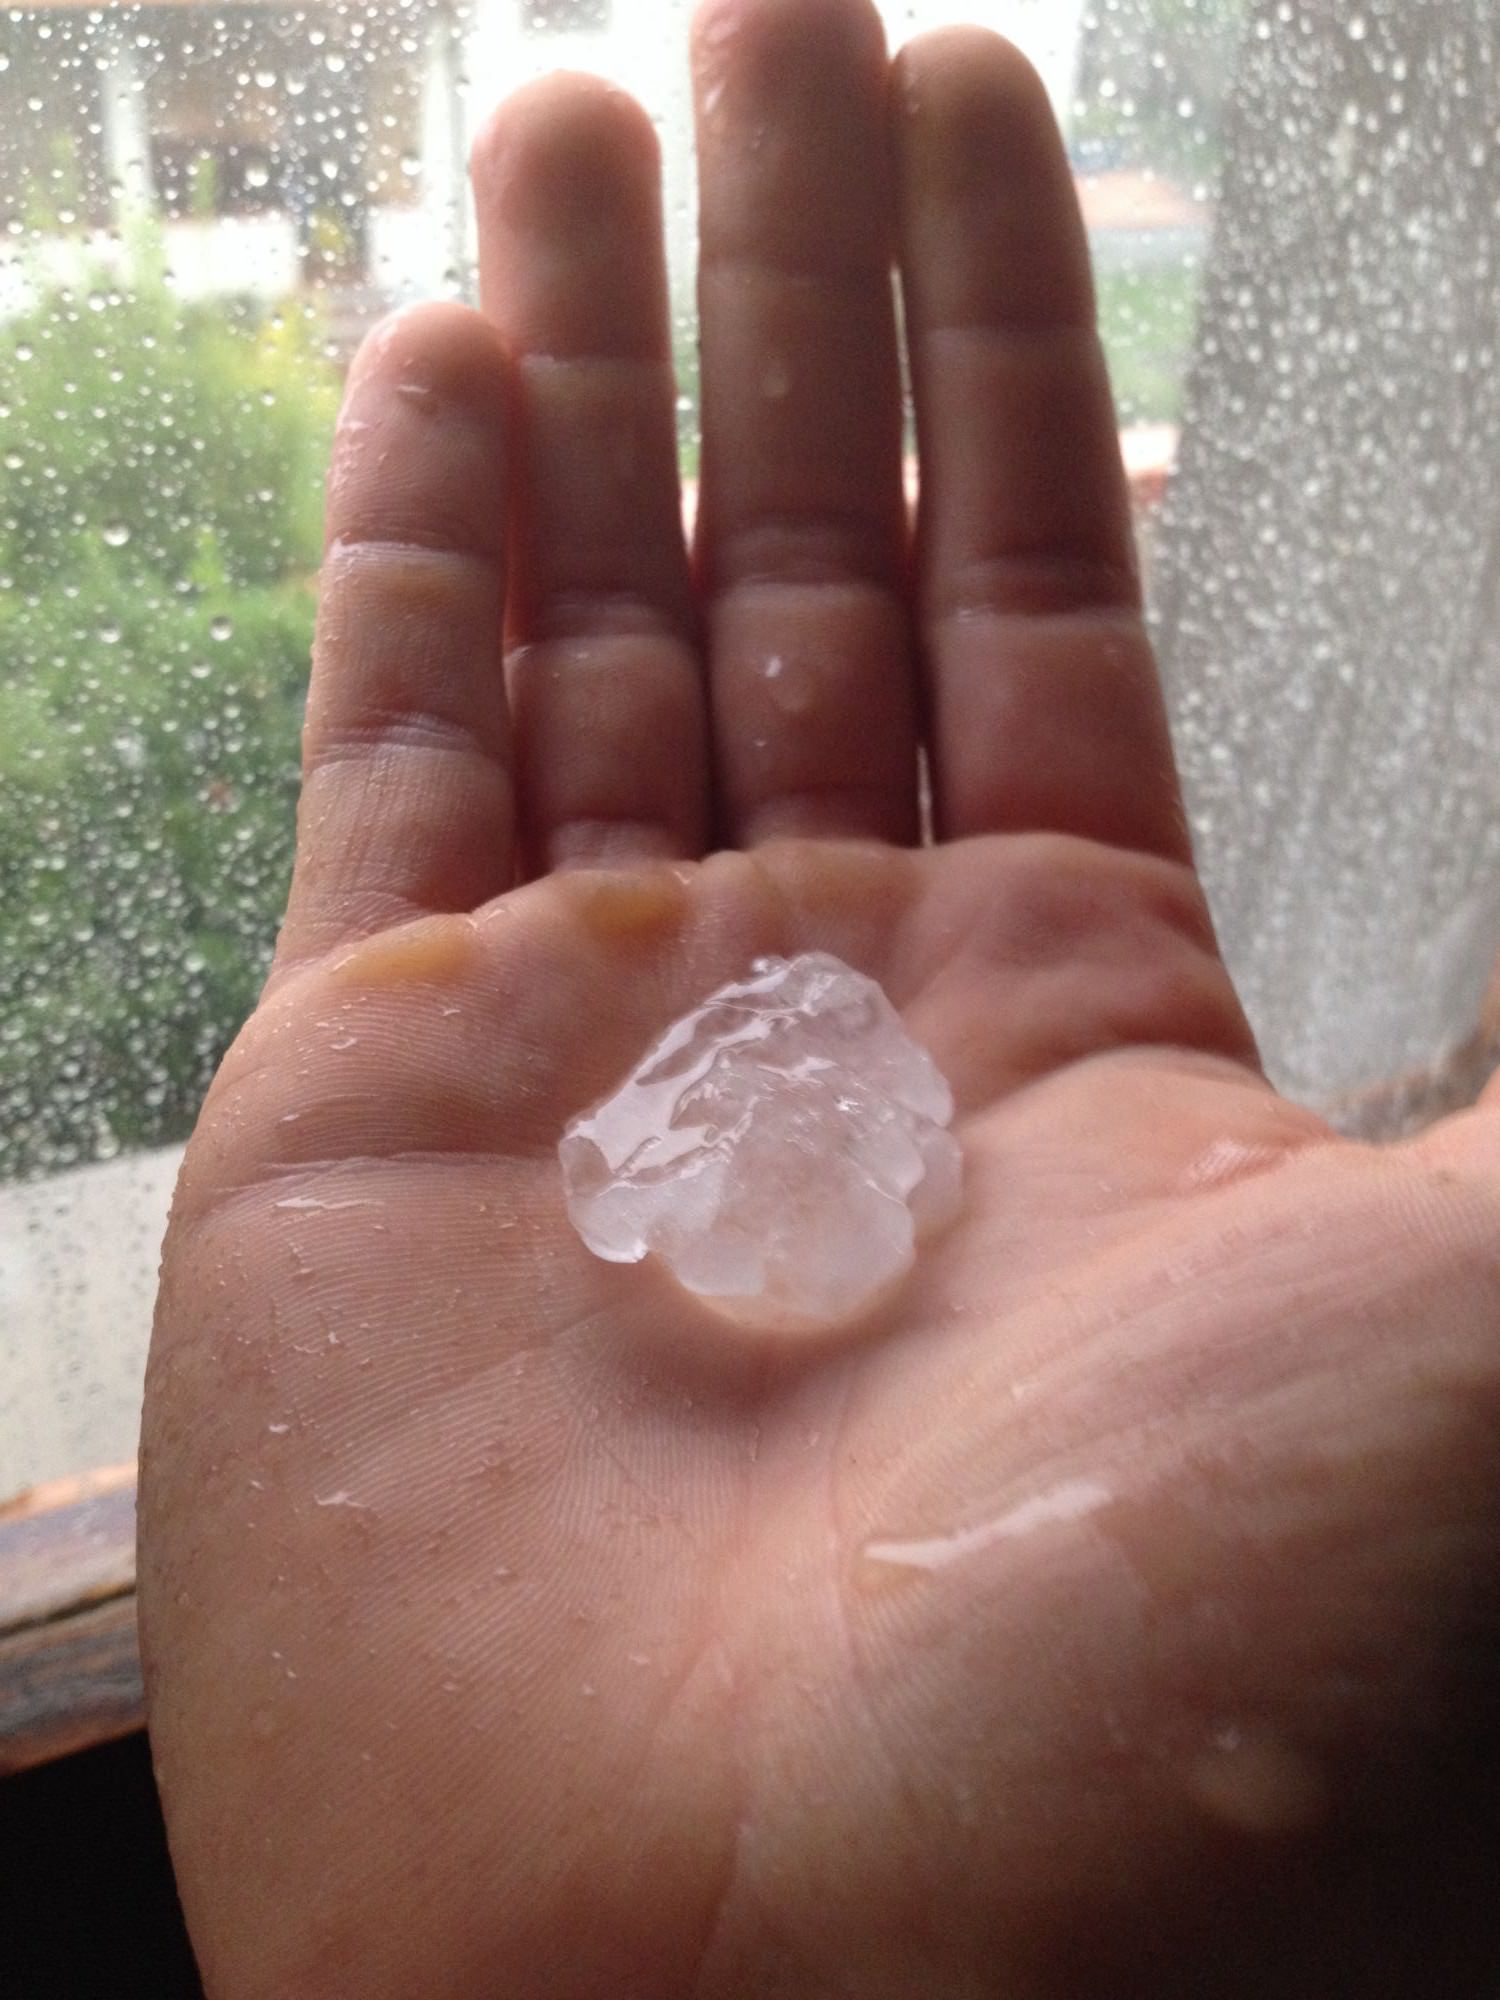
x=781, y=1148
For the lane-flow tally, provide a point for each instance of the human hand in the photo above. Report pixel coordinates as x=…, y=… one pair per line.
x=1092, y=1621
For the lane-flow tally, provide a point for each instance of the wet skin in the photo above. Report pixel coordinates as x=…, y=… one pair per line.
x=1110, y=1614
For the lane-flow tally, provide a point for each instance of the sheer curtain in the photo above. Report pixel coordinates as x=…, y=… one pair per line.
x=1328, y=571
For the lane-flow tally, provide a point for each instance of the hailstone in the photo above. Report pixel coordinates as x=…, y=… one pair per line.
x=782, y=1148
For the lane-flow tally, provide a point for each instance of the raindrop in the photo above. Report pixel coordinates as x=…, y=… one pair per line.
x=221, y=627
x=116, y=534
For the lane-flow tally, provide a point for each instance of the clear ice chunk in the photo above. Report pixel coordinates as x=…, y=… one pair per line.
x=781, y=1148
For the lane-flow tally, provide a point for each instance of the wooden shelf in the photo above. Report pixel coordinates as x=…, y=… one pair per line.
x=70, y=1674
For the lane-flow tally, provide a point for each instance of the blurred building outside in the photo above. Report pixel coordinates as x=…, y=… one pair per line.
x=324, y=149
x=267, y=153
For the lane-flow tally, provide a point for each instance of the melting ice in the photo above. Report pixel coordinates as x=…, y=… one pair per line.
x=782, y=1147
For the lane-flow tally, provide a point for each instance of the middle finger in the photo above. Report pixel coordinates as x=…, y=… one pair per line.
x=802, y=527
x=611, y=747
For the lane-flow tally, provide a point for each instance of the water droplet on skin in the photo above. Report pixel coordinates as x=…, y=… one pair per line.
x=1228, y=1160
x=311, y=1202
x=717, y=27
x=1074, y=1500
x=1254, y=1781
x=776, y=382
x=789, y=684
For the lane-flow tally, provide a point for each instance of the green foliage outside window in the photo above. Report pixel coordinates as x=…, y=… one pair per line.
x=159, y=521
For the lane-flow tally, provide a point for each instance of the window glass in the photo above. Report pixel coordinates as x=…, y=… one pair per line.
x=567, y=17
x=202, y=208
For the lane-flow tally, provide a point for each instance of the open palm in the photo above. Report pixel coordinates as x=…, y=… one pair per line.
x=1098, y=1618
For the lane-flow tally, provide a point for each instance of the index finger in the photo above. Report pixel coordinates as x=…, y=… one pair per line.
x=407, y=806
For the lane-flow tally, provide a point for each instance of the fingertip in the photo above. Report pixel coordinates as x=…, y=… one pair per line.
x=567, y=181
x=752, y=45
x=543, y=156
x=439, y=351
x=717, y=23
x=420, y=447
x=990, y=216
x=972, y=112
x=973, y=63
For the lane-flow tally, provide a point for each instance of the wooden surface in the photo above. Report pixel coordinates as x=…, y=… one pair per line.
x=70, y=1672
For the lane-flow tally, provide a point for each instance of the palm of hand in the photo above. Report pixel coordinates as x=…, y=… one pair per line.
x=519, y=1628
